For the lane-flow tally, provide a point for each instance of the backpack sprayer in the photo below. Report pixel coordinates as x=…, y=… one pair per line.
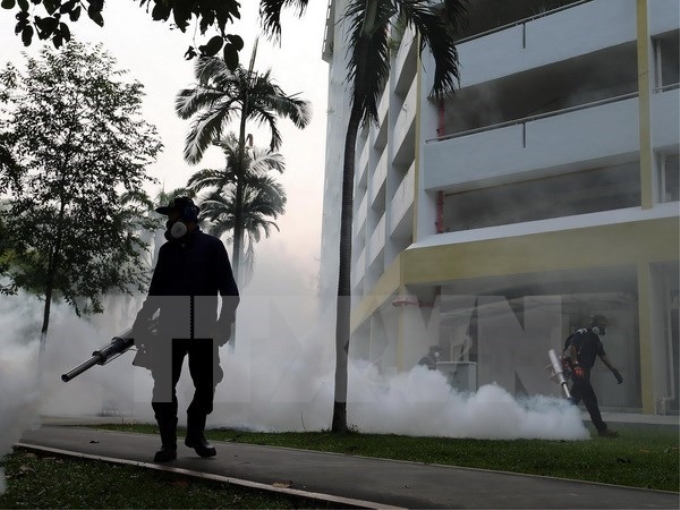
x=558, y=372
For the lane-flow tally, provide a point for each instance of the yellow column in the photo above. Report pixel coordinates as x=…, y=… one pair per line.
x=645, y=328
x=645, y=95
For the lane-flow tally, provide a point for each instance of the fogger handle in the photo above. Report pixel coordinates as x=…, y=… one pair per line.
x=75, y=372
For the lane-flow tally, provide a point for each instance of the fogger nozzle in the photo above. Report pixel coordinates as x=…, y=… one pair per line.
x=120, y=344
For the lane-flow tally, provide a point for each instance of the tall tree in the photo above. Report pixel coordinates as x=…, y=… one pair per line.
x=48, y=20
x=9, y=172
x=435, y=23
x=264, y=199
x=74, y=127
x=221, y=95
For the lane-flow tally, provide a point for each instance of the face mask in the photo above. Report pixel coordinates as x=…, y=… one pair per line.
x=175, y=229
x=599, y=330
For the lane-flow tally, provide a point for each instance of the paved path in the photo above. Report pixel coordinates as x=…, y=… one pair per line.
x=354, y=481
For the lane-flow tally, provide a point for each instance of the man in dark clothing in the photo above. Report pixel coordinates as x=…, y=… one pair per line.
x=584, y=346
x=192, y=275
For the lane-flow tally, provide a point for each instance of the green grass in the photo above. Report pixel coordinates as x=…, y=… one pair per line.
x=642, y=456
x=38, y=481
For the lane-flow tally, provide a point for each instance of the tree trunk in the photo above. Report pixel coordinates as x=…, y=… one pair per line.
x=52, y=267
x=342, y=324
x=46, y=317
x=238, y=208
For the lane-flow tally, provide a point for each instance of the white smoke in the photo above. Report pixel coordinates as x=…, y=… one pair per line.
x=279, y=378
x=18, y=371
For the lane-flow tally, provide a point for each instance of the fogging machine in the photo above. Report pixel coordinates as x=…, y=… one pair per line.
x=121, y=343
x=557, y=372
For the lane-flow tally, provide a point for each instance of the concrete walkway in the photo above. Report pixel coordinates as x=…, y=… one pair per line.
x=348, y=480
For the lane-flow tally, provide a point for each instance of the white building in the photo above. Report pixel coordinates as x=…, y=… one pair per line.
x=493, y=223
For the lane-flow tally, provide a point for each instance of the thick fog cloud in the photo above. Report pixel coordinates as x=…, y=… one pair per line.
x=279, y=378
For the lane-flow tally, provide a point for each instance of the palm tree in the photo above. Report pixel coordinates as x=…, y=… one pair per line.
x=270, y=14
x=368, y=68
x=264, y=199
x=217, y=98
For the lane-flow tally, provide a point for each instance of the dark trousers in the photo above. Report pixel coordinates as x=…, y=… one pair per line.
x=582, y=390
x=205, y=371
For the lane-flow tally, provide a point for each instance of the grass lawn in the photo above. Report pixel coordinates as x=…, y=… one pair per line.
x=642, y=456
x=46, y=481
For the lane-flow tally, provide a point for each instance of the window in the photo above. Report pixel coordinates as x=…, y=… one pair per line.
x=587, y=191
x=666, y=60
x=669, y=175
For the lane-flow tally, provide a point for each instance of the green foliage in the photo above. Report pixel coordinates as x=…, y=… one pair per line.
x=222, y=95
x=9, y=172
x=73, y=127
x=49, y=19
x=264, y=199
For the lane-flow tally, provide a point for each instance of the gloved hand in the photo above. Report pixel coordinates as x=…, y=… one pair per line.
x=144, y=335
x=617, y=374
x=222, y=331
x=578, y=371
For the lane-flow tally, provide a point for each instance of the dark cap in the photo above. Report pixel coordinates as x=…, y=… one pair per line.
x=182, y=205
x=177, y=204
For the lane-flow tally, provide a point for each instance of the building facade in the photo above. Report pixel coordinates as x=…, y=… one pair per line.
x=494, y=222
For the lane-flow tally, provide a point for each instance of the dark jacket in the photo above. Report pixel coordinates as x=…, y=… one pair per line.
x=588, y=346
x=190, y=275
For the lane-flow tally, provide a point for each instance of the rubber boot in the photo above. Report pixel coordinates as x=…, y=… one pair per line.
x=168, y=430
x=195, y=438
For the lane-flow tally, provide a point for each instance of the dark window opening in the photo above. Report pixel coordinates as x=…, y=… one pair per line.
x=583, y=192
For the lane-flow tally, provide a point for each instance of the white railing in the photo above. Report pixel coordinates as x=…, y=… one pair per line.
x=362, y=210
x=539, y=41
x=666, y=88
x=403, y=197
x=520, y=22
x=377, y=242
x=406, y=116
x=524, y=120
x=364, y=146
x=327, y=48
x=408, y=39
x=562, y=139
x=379, y=176
x=359, y=269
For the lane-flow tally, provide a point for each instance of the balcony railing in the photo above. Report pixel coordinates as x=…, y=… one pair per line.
x=379, y=177
x=666, y=88
x=520, y=22
x=359, y=269
x=538, y=41
x=403, y=198
x=550, y=142
x=524, y=120
x=327, y=48
x=377, y=241
x=406, y=116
